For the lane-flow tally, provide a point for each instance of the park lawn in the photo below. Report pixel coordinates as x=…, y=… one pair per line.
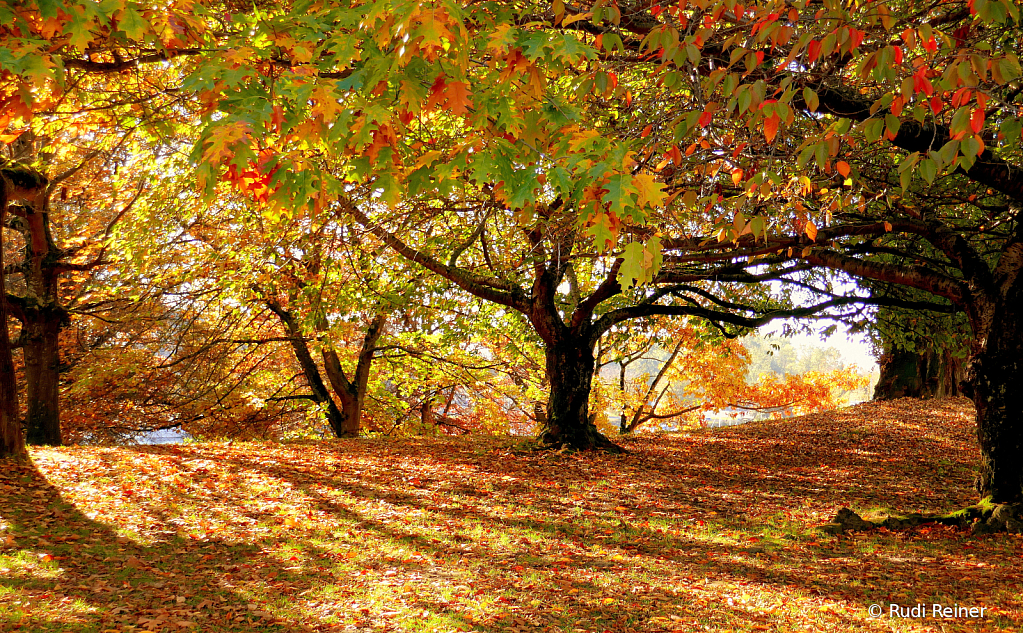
x=705, y=531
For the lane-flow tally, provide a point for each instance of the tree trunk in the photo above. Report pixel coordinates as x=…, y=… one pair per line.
x=320, y=394
x=40, y=333
x=12, y=440
x=623, y=416
x=570, y=374
x=927, y=374
x=42, y=318
x=17, y=182
x=352, y=393
x=994, y=375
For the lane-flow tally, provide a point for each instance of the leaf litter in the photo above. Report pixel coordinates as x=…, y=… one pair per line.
x=701, y=531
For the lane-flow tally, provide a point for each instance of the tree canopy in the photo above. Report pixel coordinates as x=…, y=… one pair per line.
x=596, y=163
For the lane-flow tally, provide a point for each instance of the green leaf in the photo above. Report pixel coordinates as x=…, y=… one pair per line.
x=621, y=194
x=928, y=169
x=1005, y=69
x=872, y=129
x=133, y=24
x=1011, y=128
x=602, y=232
x=810, y=97
x=893, y=124
x=969, y=147
x=805, y=156
x=640, y=262
x=948, y=152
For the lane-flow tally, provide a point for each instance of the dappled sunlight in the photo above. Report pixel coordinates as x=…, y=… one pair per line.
x=711, y=530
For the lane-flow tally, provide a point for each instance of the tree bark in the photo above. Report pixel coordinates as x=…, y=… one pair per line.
x=17, y=182
x=42, y=319
x=352, y=393
x=40, y=333
x=12, y=440
x=928, y=373
x=994, y=375
x=568, y=423
x=320, y=394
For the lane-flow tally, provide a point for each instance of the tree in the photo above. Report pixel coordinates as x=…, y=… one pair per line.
x=698, y=376
x=920, y=355
x=346, y=396
x=870, y=145
x=693, y=144
x=803, y=137
x=318, y=127
x=17, y=182
x=73, y=107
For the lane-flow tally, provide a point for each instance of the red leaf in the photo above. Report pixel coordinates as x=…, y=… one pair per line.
x=977, y=120
x=813, y=51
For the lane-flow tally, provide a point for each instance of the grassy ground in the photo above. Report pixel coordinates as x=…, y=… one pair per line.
x=710, y=531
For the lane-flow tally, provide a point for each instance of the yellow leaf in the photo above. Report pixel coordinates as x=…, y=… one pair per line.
x=811, y=230
x=650, y=191
x=575, y=18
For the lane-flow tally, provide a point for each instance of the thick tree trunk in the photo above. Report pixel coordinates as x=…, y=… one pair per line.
x=40, y=334
x=12, y=440
x=926, y=374
x=570, y=374
x=42, y=318
x=994, y=375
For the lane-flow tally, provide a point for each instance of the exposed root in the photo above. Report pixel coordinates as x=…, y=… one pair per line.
x=594, y=442
x=983, y=518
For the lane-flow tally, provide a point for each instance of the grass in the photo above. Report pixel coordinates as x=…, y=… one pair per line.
x=707, y=531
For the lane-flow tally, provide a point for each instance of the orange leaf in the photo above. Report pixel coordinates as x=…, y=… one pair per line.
x=771, y=127
x=675, y=154
x=811, y=230
x=458, y=97
x=843, y=168
x=813, y=51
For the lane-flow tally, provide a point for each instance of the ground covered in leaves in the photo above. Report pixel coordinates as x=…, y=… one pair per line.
x=706, y=531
